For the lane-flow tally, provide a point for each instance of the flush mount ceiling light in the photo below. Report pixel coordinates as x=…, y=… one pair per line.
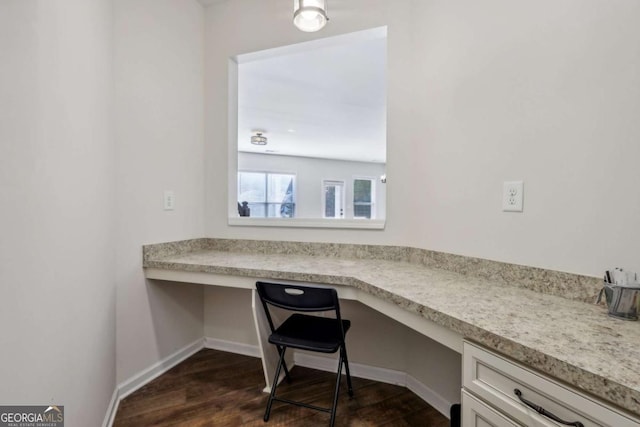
x=310, y=15
x=258, y=139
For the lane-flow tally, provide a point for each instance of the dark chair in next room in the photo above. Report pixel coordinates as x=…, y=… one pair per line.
x=305, y=332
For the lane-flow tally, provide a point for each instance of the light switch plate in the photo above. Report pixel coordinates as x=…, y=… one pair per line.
x=169, y=200
x=512, y=196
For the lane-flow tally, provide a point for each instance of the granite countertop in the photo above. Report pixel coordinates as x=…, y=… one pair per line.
x=561, y=335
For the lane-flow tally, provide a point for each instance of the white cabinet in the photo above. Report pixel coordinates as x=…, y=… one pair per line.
x=508, y=388
x=476, y=413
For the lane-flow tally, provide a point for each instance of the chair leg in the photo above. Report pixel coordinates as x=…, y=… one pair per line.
x=274, y=385
x=284, y=365
x=335, y=396
x=346, y=367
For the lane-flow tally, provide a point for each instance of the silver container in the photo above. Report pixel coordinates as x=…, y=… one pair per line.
x=622, y=301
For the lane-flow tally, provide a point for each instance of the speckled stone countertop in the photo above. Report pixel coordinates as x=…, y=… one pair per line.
x=535, y=316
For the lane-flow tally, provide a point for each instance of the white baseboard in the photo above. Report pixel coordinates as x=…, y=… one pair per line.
x=232, y=347
x=389, y=376
x=134, y=383
x=427, y=394
x=112, y=409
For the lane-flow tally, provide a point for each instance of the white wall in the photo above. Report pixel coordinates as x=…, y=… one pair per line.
x=228, y=315
x=310, y=174
x=479, y=93
x=159, y=130
x=547, y=92
x=57, y=257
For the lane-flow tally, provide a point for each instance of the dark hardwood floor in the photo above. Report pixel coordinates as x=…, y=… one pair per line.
x=214, y=388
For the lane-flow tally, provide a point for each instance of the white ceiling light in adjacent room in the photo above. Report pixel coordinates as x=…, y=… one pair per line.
x=310, y=15
x=258, y=139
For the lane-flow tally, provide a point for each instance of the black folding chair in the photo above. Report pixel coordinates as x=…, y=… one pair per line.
x=305, y=332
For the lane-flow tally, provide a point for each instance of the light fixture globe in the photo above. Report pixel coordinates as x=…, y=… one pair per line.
x=258, y=139
x=310, y=15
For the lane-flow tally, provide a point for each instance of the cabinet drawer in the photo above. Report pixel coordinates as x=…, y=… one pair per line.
x=494, y=379
x=476, y=413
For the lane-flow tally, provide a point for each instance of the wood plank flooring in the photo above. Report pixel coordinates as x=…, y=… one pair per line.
x=214, y=388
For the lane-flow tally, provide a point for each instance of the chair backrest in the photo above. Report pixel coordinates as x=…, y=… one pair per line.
x=298, y=298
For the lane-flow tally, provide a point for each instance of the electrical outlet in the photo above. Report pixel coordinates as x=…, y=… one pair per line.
x=169, y=200
x=512, y=196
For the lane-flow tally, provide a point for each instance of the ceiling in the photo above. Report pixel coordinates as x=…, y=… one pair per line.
x=325, y=100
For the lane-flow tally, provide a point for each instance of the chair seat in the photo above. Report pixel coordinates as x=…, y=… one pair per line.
x=313, y=333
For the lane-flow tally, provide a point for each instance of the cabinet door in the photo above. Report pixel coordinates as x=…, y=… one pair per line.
x=478, y=414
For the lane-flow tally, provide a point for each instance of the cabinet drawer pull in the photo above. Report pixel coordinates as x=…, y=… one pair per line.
x=544, y=412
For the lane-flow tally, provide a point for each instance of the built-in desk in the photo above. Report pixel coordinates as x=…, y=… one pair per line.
x=445, y=297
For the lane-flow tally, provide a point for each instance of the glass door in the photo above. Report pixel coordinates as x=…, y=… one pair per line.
x=333, y=199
